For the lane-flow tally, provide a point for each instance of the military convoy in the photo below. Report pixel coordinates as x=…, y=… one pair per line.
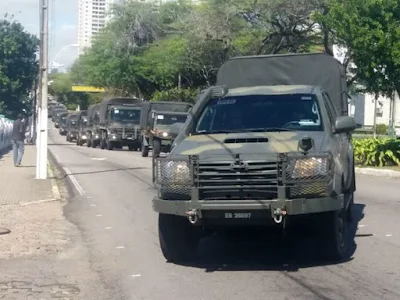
x=269, y=145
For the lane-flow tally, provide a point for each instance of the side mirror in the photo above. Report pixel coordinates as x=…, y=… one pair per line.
x=176, y=128
x=344, y=124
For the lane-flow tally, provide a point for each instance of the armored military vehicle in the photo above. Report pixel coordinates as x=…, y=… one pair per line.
x=81, y=121
x=63, y=123
x=155, y=122
x=57, y=108
x=270, y=144
x=93, y=126
x=72, y=127
x=119, y=123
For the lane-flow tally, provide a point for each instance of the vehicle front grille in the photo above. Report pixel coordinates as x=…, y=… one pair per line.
x=125, y=132
x=256, y=180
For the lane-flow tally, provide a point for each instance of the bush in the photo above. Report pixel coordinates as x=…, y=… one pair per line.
x=377, y=152
x=381, y=129
x=175, y=94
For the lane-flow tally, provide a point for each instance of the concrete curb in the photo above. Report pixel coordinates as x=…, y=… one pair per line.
x=54, y=185
x=378, y=172
x=72, y=192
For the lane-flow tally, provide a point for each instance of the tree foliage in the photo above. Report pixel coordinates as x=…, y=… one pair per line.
x=150, y=49
x=18, y=67
x=370, y=30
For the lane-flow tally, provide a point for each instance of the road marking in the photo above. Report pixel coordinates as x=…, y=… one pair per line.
x=98, y=158
x=136, y=275
x=388, y=235
x=74, y=181
x=107, y=228
x=92, y=205
x=88, y=197
x=99, y=215
x=361, y=226
x=120, y=247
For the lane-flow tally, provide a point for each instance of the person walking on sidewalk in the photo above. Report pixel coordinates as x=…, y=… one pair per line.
x=18, y=137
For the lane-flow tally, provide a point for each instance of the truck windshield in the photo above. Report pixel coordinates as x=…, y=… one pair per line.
x=297, y=112
x=125, y=115
x=168, y=119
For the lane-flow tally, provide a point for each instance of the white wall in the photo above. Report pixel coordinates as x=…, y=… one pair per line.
x=362, y=108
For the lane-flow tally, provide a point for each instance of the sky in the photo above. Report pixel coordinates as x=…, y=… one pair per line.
x=63, y=16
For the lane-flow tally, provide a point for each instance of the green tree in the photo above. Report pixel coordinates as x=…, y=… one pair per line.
x=18, y=67
x=369, y=29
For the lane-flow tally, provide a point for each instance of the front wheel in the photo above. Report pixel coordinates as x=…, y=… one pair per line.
x=156, y=148
x=334, y=235
x=178, y=238
x=145, y=151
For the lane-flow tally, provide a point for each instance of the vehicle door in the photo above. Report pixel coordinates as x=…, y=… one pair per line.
x=345, y=148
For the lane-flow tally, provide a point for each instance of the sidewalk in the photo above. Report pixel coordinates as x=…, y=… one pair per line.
x=31, y=262
x=18, y=185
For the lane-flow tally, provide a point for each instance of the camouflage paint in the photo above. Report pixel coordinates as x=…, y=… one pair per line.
x=277, y=142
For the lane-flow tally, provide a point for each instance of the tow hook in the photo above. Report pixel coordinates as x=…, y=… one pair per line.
x=279, y=213
x=192, y=216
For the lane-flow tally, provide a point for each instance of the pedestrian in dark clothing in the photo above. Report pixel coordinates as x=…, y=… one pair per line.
x=18, y=137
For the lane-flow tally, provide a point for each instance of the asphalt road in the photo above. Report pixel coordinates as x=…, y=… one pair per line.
x=112, y=208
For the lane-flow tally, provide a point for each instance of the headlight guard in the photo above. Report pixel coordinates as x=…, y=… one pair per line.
x=174, y=177
x=312, y=167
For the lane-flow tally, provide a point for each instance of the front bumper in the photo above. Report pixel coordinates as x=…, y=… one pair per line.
x=293, y=184
x=291, y=207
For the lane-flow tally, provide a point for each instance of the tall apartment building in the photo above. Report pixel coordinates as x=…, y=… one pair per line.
x=92, y=17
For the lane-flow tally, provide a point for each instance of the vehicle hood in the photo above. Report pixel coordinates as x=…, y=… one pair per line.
x=118, y=125
x=278, y=142
x=165, y=128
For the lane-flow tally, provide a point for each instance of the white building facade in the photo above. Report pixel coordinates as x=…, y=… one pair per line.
x=362, y=106
x=92, y=17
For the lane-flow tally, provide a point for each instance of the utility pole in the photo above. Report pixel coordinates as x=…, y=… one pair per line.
x=41, y=145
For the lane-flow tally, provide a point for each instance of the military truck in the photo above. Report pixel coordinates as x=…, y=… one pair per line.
x=55, y=109
x=72, y=127
x=119, y=123
x=63, y=123
x=269, y=144
x=57, y=117
x=93, y=126
x=81, y=121
x=155, y=123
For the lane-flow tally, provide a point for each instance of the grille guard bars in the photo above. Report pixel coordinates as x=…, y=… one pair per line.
x=257, y=179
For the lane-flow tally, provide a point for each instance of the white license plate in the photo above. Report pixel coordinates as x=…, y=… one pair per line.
x=237, y=215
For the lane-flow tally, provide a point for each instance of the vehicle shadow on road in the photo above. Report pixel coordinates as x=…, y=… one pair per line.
x=246, y=251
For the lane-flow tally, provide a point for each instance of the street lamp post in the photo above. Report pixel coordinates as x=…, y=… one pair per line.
x=41, y=146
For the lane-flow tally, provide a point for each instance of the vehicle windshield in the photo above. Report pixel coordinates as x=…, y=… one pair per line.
x=261, y=113
x=169, y=119
x=125, y=115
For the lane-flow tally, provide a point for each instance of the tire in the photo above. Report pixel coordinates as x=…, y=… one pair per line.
x=178, y=238
x=78, y=142
x=334, y=235
x=109, y=146
x=131, y=148
x=145, y=151
x=156, y=148
x=89, y=143
x=103, y=144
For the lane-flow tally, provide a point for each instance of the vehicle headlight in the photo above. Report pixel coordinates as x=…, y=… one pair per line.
x=174, y=178
x=175, y=172
x=308, y=168
x=84, y=137
x=165, y=134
